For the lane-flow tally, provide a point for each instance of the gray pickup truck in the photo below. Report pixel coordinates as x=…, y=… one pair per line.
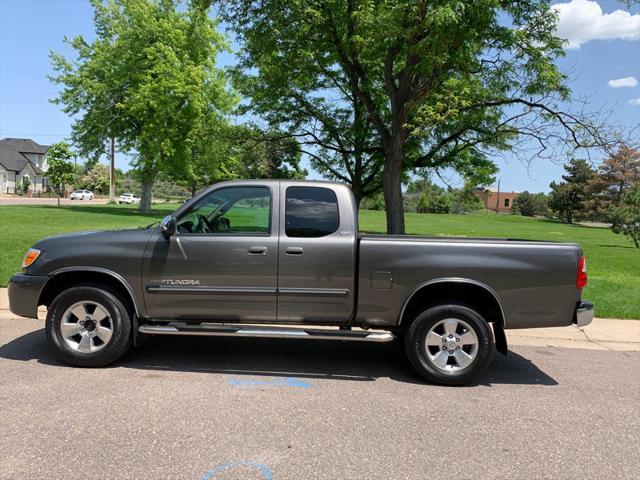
x=284, y=259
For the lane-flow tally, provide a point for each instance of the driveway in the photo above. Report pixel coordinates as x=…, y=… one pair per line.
x=48, y=201
x=207, y=408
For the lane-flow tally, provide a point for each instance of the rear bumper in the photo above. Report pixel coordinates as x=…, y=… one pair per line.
x=24, y=293
x=585, y=312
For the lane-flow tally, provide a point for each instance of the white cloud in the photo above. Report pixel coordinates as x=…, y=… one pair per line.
x=635, y=101
x=581, y=21
x=623, y=82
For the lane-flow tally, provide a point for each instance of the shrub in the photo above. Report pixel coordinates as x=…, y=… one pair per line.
x=529, y=204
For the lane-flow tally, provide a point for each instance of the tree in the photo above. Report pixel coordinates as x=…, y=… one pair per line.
x=61, y=170
x=146, y=80
x=525, y=204
x=434, y=200
x=569, y=198
x=529, y=204
x=439, y=82
x=96, y=178
x=616, y=175
x=269, y=155
x=226, y=151
x=626, y=217
x=337, y=135
x=23, y=186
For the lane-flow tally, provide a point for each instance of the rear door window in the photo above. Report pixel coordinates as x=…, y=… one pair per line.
x=311, y=212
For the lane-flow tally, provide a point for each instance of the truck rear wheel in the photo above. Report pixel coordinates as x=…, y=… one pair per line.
x=88, y=326
x=449, y=344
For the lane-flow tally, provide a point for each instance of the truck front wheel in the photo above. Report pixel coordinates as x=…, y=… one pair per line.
x=88, y=326
x=449, y=344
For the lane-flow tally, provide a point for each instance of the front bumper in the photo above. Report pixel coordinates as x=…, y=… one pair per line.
x=585, y=312
x=24, y=294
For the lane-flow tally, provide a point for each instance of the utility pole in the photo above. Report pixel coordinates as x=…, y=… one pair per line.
x=498, y=198
x=112, y=172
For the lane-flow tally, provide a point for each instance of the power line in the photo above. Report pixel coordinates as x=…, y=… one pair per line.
x=19, y=134
x=24, y=85
x=26, y=101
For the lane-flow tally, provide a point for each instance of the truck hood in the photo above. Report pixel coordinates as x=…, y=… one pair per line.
x=114, y=250
x=97, y=236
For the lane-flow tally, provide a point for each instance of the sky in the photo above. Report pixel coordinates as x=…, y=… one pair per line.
x=602, y=59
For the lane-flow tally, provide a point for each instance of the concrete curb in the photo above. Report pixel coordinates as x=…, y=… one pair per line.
x=601, y=334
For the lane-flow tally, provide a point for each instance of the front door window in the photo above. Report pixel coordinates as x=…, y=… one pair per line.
x=229, y=211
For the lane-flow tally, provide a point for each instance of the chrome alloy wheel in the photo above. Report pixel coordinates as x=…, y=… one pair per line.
x=451, y=345
x=86, y=327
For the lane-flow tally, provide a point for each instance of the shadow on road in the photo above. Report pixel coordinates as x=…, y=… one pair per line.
x=273, y=357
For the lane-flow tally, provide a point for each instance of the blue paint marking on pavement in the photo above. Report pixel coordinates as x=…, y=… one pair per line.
x=276, y=382
x=262, y=469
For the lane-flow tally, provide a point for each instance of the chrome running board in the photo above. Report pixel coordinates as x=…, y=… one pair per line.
x=256, y=331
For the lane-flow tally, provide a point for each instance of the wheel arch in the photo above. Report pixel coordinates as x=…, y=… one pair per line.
x=471, y=292
x=69, y=276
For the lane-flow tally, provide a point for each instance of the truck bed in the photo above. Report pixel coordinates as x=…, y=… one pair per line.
x=534, y=281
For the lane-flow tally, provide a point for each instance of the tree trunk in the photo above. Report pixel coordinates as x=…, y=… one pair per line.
x=145, y=197
x=358, y=202
x=392, y=186
x=356, y=189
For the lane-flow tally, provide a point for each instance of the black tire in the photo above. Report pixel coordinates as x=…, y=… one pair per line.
x=415, y=345
x=119, y=320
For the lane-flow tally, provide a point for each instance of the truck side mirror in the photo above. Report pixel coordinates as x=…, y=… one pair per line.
x=168, y=226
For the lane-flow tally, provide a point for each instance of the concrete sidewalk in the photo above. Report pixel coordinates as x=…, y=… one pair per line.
x=601, y=334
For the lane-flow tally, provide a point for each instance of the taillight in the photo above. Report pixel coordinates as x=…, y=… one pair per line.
x=581, y=279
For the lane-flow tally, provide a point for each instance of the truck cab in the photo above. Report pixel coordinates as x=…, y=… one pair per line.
x=264, y=252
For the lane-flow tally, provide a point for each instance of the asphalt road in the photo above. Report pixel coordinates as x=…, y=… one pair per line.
x=48, y=201
x=194, y=408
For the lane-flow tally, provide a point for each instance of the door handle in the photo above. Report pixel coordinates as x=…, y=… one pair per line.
x=294, y=251
x=257, y=250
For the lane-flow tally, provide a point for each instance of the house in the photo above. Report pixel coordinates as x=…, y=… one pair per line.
x=22, y=158
x=496, y=200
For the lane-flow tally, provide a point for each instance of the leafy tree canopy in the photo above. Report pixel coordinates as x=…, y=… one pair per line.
x=440, y=84
x=146, y=80
x=96, y=178
x=225, y=151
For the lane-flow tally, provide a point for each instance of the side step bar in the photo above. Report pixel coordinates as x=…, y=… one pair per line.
x=223, y=330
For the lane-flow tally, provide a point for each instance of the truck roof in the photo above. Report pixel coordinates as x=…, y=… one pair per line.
x=273, y=181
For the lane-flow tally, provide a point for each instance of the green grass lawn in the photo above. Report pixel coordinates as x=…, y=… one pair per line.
x=613, y=262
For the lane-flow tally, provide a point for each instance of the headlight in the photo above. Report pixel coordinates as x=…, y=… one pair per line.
x=30, y=257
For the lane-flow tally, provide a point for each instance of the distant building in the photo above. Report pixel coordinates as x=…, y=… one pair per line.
x=491, y=199
x=22, y=158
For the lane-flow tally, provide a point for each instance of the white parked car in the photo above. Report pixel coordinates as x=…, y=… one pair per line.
x=129, y=198
x=81, y=195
